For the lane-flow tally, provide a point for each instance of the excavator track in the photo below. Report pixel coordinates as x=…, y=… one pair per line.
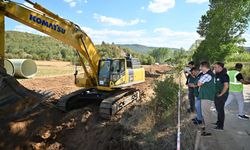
x=117, y=102
x=109, y=102
x=81, y=98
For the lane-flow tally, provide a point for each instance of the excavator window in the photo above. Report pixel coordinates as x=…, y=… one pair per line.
x=118, y=69
x=133, y=63
x=104, y=72
x=111, y=70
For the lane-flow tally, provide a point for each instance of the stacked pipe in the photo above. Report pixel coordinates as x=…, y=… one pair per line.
x=23, y=68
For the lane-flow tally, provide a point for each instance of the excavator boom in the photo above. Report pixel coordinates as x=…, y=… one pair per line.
x=105, y=80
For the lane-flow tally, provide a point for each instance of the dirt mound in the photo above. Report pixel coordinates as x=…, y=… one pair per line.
x=52, y=129
x=156, y=71
x=158, y=68
x=15, y=98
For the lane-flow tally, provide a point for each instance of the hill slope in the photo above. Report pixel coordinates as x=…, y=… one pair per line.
x=142, y=48
x=27, y=45
x=137, y=47
x=32, y=46
x=247, y=49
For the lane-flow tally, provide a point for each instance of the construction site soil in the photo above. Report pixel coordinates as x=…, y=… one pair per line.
x=46, y=127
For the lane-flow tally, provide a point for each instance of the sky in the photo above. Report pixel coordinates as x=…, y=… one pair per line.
x=159, y=23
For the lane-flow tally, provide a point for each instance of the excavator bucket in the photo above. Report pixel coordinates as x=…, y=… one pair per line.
x=15, y=99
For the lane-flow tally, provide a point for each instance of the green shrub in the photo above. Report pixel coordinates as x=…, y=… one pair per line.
x=246, y=71
x=241, y=57
x=166, y=96
x=146, y=59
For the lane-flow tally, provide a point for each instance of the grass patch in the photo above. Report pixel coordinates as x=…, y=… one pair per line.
x=55, y=68
x=44, y=72
x=149, y=137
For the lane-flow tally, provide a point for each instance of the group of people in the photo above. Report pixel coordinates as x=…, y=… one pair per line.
x=214, y=85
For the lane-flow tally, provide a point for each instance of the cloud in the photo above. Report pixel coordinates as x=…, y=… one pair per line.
x=79, y=11
x=82, y=1
x=197, y=1
x=23, y=28
x=116, y=21
x=142, y=8
x=72, y=3
x=170, y=33
x=160, y=6
x=177, y=38
x=159, y=37
x=108, y=33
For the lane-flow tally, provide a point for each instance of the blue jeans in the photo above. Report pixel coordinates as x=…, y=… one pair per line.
x=198, y=108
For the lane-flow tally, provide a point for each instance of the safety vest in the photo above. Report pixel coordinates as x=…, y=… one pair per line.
x=235, y=85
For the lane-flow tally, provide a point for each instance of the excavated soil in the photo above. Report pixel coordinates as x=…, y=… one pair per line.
x=46, y=127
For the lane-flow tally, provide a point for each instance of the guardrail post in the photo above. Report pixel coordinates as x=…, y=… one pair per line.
x=178, y=146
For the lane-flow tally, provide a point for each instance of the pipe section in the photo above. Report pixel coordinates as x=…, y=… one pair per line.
x=9, y=67
x=24, y=68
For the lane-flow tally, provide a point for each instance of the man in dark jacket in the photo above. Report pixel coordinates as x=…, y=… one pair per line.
x=196, y=73
x=191, y=94
x=222, y=91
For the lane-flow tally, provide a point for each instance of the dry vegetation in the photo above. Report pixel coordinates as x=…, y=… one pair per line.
x=55, y=68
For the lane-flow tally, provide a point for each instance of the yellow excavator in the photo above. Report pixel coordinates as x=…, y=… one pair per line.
x=107, y=81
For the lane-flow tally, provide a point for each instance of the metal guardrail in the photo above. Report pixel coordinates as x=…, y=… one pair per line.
x=186, y=136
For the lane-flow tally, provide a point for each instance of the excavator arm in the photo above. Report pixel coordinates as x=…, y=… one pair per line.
x=106, y=81
x=61, y=29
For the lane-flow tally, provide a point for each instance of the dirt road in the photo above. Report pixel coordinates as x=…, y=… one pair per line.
x=236, y=134
x=60, y=85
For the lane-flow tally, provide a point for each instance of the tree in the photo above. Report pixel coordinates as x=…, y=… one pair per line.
x=160, y=54
x=150, y=60
x=64, y=53
x=179, y=59
x=222, y=27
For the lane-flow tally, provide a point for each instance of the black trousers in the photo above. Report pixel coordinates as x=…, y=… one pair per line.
x=191, y=98
x=219, y=105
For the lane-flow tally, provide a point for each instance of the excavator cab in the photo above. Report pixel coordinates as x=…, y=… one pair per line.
x=110, y=71
x=119, y=73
